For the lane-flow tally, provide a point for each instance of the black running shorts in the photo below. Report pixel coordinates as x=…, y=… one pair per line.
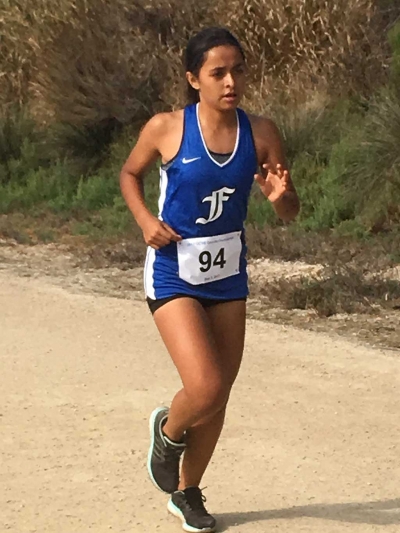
x=205, y=302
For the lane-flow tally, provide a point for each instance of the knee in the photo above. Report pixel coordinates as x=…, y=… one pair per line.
x=209, y=394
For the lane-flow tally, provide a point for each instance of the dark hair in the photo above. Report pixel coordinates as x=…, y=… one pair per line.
x=198, y=46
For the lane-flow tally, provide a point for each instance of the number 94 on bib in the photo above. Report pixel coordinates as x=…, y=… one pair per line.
x=206, y=259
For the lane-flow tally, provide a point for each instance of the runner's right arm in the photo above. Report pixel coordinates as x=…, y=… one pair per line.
x=156, y=233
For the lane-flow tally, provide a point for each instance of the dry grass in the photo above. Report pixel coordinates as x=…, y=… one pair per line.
x=328, y=248
x=23, y=27
x=85, y=61
x=300, y=47
x=336, y=290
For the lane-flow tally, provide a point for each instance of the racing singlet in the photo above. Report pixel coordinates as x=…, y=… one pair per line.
x=205, y=202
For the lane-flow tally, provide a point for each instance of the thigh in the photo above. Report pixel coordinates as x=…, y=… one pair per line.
x=228, y=326
x=186, y=330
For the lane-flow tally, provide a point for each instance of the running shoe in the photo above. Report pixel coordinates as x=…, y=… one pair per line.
x=164, y=454
x=188, y=505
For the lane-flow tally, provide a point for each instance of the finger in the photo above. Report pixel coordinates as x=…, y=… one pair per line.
x=259, y=179
x=279, y=171
x=285, y=177
x=159, y=236
x=162, y=237
x=267, y=167
x=158, y=241
x=276, y=171
x=171, y=233
x=152, y=243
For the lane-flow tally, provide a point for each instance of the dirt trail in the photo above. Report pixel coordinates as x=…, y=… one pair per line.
x=311, y=442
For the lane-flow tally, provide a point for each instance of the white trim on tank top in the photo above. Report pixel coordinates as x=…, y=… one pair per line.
x=204, y=143
x=163, y=191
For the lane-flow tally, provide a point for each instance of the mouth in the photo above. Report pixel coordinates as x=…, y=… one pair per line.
x=230, y=96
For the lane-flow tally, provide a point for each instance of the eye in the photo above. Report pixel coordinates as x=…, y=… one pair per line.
x=217, y=74
x=239, y=69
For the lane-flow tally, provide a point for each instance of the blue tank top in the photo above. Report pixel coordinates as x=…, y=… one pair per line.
x=205, y=202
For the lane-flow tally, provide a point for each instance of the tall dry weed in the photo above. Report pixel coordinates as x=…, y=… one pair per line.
x=84, y=61
x=299, y=46
x=102, y=64
x=23, y=28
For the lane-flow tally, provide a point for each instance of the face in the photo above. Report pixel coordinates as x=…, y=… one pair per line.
x=221, y=80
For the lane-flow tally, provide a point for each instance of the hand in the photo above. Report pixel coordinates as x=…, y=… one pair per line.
x=275, y=184
x=157, y=233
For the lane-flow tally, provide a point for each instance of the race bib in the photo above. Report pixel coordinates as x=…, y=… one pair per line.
x=205, y=259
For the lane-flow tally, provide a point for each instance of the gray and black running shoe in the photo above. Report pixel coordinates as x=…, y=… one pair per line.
x=188, y=505
x=164, y=454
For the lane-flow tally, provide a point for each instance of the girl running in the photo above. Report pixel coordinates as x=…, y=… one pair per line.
x=195, y=274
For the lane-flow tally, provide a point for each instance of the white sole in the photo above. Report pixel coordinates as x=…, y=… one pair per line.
x=178, y=513
x=151, y=427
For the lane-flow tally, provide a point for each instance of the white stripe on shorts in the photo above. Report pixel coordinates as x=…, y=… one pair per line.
x=149, y=273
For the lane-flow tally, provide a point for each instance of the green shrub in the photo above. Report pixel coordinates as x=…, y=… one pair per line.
x=22, y=145
x=317, y=141
x=96, y=192
x=313, y=130
x=86, y=147
x=371, y=174
x=51, y=187
x=322, y=204
x=260, y=212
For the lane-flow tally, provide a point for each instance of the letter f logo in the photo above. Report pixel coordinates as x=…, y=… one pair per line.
x=217, y=200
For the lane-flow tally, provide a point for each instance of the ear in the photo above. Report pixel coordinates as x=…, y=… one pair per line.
x=193, y=81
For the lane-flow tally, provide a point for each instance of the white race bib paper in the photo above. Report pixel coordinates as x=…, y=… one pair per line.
x=205, y=259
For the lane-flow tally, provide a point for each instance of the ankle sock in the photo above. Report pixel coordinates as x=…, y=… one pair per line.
x=173, y=442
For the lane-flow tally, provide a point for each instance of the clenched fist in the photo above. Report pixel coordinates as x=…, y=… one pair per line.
x=157, y=233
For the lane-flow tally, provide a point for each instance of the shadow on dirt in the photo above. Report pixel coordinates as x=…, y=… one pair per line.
x=381, y=513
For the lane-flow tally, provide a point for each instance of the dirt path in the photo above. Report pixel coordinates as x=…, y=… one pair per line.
x=311, y=444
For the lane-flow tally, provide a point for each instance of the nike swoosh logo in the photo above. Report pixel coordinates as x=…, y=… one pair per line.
x=186, y=161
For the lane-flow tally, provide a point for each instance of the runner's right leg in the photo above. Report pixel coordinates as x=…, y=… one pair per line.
x=208, y=363
x=228, y=323
x=207, y=350
x=194, y=351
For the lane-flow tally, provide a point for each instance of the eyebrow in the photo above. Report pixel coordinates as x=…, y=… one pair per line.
x=216, y=69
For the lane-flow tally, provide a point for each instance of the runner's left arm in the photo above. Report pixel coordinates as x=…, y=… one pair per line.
x=274, y=177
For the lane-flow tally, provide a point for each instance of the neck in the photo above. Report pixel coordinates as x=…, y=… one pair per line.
x=216, y=117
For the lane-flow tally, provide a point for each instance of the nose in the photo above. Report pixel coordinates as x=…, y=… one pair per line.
x=229, y=82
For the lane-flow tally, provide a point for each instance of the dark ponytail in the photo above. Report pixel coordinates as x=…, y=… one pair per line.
x=196, y=49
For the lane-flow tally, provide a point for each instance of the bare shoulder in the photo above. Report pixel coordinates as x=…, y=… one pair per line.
x=163, y=124
x=267, y=140
x=263, y=126
x=164, y=132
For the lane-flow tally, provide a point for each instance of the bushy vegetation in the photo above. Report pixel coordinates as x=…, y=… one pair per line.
x=100, y=55
x=343, y=289
x=78, y=78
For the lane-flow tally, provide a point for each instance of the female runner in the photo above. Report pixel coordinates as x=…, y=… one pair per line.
x=195, y=274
